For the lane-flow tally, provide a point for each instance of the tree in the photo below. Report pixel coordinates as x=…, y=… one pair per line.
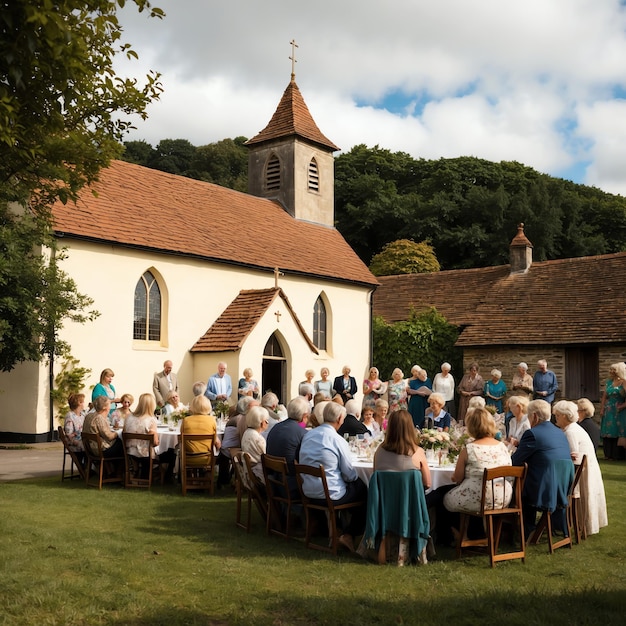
x=426, y=339
x=404, y=257
x=173, y=156
x=138, y=152
x=63, y=114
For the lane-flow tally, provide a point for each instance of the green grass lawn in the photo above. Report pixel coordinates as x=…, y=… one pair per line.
x=69, y=555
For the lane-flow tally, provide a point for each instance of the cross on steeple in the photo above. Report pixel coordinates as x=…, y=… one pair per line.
x=292, y=58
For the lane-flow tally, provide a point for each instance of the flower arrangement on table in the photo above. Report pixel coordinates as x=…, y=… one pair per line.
x=175, y=416
x=221, y=408
x=432, y=439
x=458, y=438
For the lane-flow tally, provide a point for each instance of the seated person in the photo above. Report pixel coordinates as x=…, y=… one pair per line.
x=73, y=424
x=172, y=403
x=252, y=442
x=381, y=408
x=351, y=425
x=367, y=419
x=437, y=414
x=142, y=421
x=400, y=451
x=585, y=420
x=324, y=446
x=97, y=421
x=518, y=424
x=285, y=438
x=200, y=422
x=120, y=414
x=540, y=446
x=231, y=439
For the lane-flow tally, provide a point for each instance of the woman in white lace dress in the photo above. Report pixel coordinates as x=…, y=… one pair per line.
x=483, y=452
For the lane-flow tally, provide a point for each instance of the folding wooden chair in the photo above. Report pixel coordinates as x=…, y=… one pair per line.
x=243, y=486
x=196, y=472
x=493, y=479
x=135, y=465
x=105, y=467
x=279, y=496
x=331, y=509
x=74, y=459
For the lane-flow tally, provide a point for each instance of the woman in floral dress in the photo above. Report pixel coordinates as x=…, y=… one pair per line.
x=613, y=412
x=397, y=391
x=373, y=388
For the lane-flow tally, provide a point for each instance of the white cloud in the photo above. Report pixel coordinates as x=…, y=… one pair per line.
x=530, y=82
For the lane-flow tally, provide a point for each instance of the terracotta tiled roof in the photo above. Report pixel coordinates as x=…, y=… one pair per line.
x=292, y=117
x=232, y=327
x=567, y=301
x=140, y=207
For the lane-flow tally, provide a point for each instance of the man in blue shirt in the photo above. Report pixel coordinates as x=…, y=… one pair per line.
x=324, y=446
x=544, y=383
x=219, y=386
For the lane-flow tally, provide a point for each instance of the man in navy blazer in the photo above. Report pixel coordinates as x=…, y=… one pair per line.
x=219, y=386
x=540, y=446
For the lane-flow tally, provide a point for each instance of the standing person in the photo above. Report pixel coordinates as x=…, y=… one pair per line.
x=219, y=387
x=612, y=413
x=396, y=390
x=591, y=487
x=443, y=383
x=324, y=385
x=345, y=385
x=544, y=382
x=307, y=384
x=522, y=384
x=373, y=388
x=418, y=391
x=248, y=386
x=495, y=390
x=539, y=446
x=164, y=382
x=472, y=384
x=105, y=388
x=585, y=420
x=323, y=446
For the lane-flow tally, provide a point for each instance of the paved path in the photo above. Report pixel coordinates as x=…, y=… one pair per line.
x=32, y=461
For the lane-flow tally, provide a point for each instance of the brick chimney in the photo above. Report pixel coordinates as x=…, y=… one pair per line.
x=521, y=254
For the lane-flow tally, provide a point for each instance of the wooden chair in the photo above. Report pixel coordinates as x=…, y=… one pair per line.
x=196, y=473
x=331, y=509
x=134, y=465
x=75, y=461
x=577, y=521
x=545, y=521
x=279, y=496
x=96, y=461
x=494, y=517
x=241, y=463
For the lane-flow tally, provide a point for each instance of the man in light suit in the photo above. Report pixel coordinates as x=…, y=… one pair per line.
x=219, y=386
x=164, y=382
x=540, y=446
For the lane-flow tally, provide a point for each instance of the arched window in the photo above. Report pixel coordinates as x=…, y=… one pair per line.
x=314, y=176
x=147, y=315
x=272, y=174
x=319, y=324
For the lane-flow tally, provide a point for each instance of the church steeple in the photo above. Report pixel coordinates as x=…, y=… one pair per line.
x=291, y=160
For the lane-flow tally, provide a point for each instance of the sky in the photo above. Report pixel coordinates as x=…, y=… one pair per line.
x=541, y=82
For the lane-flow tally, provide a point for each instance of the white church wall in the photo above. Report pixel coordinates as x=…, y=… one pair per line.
x=196, y=294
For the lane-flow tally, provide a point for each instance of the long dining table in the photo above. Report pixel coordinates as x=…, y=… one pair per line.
x=440, y=475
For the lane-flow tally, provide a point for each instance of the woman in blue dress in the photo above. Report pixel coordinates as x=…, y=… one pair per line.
x=613, y=412
x=495, y=391
x=105, y=388
x=420, y=387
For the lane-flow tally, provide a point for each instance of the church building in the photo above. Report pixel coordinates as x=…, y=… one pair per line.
x=195, y=273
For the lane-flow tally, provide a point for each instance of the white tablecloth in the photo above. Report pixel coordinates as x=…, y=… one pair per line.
x=439, y=475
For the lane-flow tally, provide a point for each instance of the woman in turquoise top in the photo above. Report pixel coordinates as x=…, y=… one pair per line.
x=613, y=412
x=495, y=390
x=105, y=388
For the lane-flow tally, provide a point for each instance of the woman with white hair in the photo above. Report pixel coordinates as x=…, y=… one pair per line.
x=591, y=485
x=522, y=382
x=252, y=441
x=443, y=383
x=396, y=391
x=518, y=424
x=495, y=390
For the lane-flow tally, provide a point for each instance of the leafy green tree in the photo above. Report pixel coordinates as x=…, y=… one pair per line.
x=63, y=114
x=174, y=156
x=223, y=163
x=404, y=257
x=425, y=339
x=138, y=152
